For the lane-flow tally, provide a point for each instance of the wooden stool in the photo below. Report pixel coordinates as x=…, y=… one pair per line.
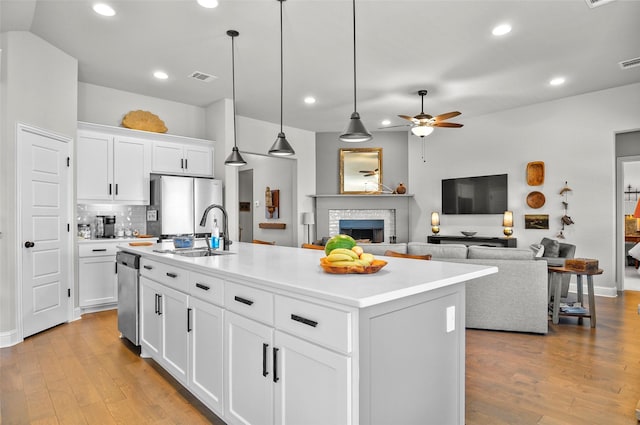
x=556, y=287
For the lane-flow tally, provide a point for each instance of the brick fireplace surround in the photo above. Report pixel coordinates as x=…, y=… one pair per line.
x=393, y=209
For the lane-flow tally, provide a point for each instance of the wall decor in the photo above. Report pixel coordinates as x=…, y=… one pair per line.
x=272, y=203
x=360, y=170
x=536, y=221
x=535, y=199
x=565, y=220
x=535, y=173
x=144, y=120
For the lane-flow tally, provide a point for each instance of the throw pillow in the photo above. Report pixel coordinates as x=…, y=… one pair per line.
x=538, y=250
x=551, y=247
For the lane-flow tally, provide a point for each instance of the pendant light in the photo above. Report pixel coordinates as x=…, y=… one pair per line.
x=234, y=159
x=355, y=131
x=281, y=146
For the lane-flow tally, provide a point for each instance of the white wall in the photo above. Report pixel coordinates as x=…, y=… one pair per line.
x=103, y=105
x=39, y=88
x=575, y=137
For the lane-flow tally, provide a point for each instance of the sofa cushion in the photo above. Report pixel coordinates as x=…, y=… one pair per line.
x=437, y=250
x=551, y=247
x=498, y=253
x=382, y=247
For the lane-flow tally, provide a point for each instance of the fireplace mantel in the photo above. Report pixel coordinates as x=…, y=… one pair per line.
x=400, y=204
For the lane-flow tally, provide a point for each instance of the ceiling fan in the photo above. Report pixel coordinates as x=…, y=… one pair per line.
x=423, y=124
x=368, y=173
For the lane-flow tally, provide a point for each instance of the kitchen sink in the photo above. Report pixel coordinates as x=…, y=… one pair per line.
x=201, y=252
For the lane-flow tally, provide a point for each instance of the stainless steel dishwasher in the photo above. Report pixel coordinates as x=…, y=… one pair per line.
x=128, y=267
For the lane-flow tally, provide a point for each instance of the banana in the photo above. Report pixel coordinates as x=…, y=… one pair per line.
x=344, y=251
x=345, y=263
x=339, y=257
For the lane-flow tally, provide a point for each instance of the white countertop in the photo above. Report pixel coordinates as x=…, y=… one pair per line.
x=298, y=270
x=113, y=240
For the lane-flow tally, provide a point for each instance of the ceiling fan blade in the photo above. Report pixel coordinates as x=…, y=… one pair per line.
x=446, y=116
x=447, y=124
x=408, y=118
x=394, y=126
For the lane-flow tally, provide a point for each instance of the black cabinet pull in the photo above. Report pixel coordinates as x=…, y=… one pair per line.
x=159, y=305
x=100, y=250
x=264, y=359
x=243, y=300
x=301, y=319
x=109, y=188
x=181, y=163
x=202, y=286
x=275, y=365
x=186, y=164
x=173, y=275
x=147, y=267
x=189, y=319
x=156, y=295
x=116, y=188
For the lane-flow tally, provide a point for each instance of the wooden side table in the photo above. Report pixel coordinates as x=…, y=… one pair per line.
x=556, y=287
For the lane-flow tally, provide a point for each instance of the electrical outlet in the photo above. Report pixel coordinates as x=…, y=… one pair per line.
x=152, y=215
x=451, y=318
x=256, y=204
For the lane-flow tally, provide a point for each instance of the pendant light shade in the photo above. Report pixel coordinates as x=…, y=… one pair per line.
x=355, y=132
x=281, y=146
x=234, y=159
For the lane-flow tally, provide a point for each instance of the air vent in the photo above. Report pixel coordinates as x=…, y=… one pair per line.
x=630, y=63
x=596, y=3
x=201, y=76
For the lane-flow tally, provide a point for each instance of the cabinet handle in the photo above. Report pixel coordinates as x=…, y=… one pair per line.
x=275, y=365
x=100, y=250
x=186, y=164
x=189, y=319
x=156, y=295
x=264, y=359
x=109, y=188
x=202, y=286
x=181, y=163
x=148, y=267
x=173, y=275
x=159, y=305
x=243, y=300
x=301, y=319
x=116, y=189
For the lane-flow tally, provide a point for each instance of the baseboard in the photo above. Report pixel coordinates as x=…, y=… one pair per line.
x=97, y=308
x=600, y=291
x=10, y=338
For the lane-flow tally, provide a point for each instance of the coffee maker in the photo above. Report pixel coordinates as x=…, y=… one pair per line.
x=105, y=226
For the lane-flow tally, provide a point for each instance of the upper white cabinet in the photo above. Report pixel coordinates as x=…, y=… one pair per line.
x=193, y=159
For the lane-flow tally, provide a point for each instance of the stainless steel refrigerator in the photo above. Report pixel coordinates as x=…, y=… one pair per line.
x=177, y=204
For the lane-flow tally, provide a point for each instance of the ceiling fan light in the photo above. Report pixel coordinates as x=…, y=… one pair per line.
x=235, y=159
x=355, y=132
x=281, y=146
x=422, y=130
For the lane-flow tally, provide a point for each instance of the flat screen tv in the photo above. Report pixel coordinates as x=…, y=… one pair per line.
x=475, y=195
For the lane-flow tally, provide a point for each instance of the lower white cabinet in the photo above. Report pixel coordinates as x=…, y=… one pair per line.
x=273, y=377
x=97, y=277
x=163, y=327
x=205, y=326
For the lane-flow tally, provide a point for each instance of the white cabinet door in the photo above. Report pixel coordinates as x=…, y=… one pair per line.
x=173, y=313
x=97, y=281
x=167, y=158
x=314, y=384
x=198, y=160
x=248, y=379
x=131, y=170
x=205, y=326
x=150, y=323
x=94, y=167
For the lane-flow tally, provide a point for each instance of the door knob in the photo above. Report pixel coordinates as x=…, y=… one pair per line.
x=29, y=244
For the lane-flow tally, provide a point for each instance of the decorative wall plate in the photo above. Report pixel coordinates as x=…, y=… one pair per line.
x=535, y=199
x=535, y=173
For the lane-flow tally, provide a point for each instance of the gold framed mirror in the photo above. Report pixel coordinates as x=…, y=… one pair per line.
x=360, y=170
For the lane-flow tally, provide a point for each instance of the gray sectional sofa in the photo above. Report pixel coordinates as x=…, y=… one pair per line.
x=514, y=299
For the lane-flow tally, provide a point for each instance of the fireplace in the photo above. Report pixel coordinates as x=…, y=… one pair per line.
x=370, y=230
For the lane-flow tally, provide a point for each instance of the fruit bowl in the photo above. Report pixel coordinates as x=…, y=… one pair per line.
x=374, y=267
x=468, y=233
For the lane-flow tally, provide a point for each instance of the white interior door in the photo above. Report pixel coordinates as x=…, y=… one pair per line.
x=45, y=243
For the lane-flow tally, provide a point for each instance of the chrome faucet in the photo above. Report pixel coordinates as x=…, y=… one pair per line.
x=225, y=224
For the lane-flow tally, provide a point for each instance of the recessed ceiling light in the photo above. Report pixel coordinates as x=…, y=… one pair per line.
x=501, y=29
x=557, y=81
x=161, y=75
x=309, y=100
x=103, y=9
x=386, y=122
x=209, y=4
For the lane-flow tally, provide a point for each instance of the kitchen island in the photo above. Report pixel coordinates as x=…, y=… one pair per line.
x=263, y=335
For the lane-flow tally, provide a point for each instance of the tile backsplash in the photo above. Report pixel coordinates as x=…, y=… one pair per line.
x=132, y=217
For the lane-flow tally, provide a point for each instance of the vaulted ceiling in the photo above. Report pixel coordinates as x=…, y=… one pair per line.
x=445, y=47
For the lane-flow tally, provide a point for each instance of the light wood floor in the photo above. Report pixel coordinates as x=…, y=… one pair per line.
x=82, y=373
